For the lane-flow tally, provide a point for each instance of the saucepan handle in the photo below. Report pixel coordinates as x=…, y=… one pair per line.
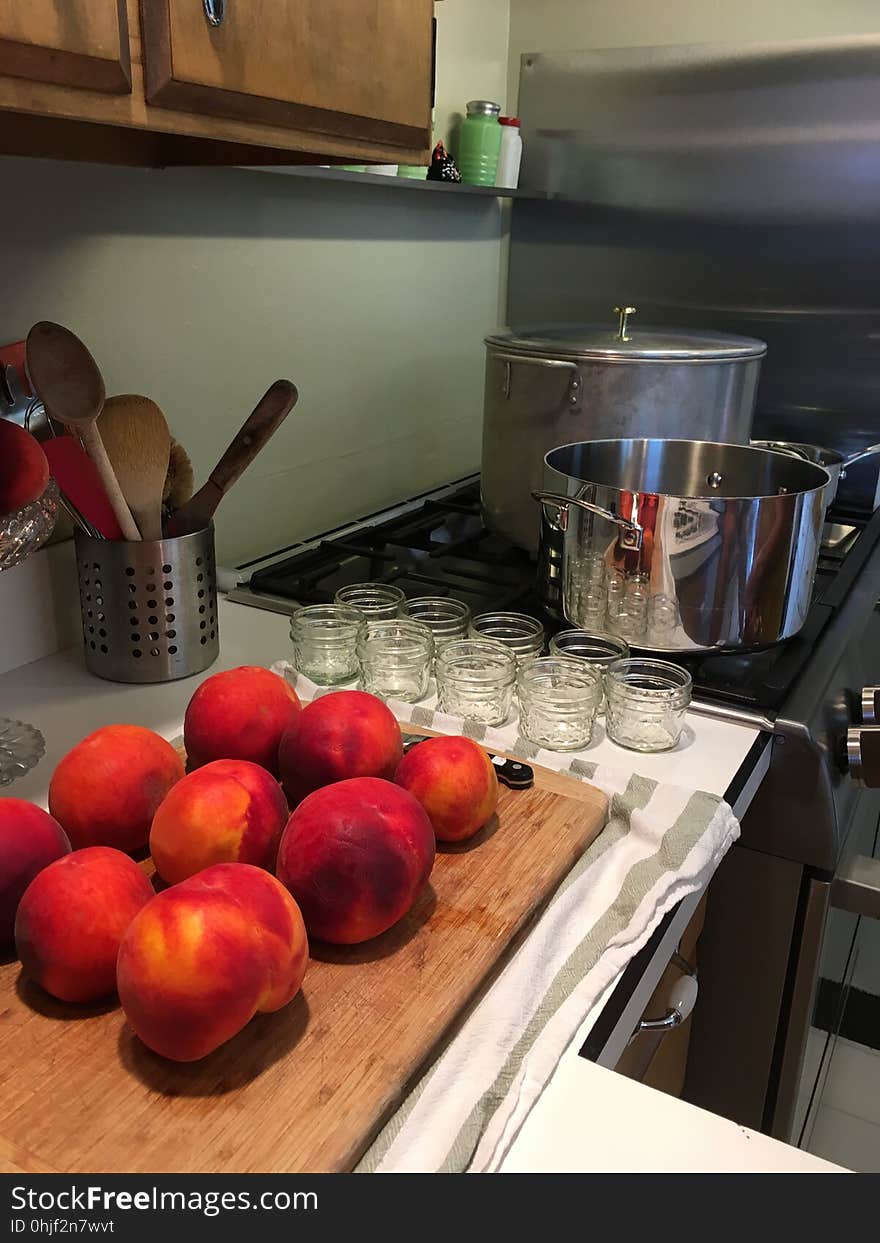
x=631, y=532
x=871, y=451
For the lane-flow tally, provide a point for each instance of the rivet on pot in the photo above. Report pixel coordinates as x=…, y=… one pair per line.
x=714, y=480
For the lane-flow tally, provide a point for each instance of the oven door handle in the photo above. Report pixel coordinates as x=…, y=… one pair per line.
x=856, y=888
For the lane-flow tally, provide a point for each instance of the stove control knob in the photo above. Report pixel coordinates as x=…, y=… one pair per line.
x=863, y=755
x=871, y=705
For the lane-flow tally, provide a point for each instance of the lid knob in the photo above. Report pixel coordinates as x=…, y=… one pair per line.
x=623, y=313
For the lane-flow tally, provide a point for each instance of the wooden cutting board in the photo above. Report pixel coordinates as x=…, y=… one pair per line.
x=308, y=1088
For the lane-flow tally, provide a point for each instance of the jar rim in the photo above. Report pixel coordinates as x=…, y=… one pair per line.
x=315, y=614
x=495, y=659
x=536, y=676
x=625, y=676
x=606, y=647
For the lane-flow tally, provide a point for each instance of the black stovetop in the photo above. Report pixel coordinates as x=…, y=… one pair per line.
x=443, y=548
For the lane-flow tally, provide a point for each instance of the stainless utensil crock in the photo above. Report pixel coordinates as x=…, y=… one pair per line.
x=149, y=609
x=551, y=386
x=722, y=540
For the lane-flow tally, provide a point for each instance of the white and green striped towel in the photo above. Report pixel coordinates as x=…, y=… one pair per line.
x=661, y=843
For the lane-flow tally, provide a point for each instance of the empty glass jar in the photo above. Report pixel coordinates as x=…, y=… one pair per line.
x=377, y=601
x=475, y=680
x=645, y=703
x=395, y=659
x=325, y=638
x=593, y=647
x=521, y=634
x=558, y=701
x=447, y=619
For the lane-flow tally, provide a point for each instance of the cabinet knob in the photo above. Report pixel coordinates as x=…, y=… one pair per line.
x=215, y=11
x=863, y=755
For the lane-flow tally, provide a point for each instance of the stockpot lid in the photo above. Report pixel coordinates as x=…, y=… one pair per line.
x=624, y=342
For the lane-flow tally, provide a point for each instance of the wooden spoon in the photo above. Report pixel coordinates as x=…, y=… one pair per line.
x=138, y=444
x=66, y=379
x=271, y=411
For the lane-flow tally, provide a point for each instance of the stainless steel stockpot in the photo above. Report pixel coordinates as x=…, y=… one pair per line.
x=686, y=545
x=550, y=386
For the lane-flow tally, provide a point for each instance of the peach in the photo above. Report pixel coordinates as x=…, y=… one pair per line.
x=239, y=715
x=72, y=917
x=355, y=855
x=341, y=735
x=455, y=782
x=106, y=790
x=202, y=958
x=228, y=811
x=24, y=471
x=30, y=839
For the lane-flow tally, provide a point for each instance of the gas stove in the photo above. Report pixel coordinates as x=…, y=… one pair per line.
x=438, y=545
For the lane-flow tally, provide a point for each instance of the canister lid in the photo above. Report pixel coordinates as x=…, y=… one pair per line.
x=483, y=107
x=625, y=342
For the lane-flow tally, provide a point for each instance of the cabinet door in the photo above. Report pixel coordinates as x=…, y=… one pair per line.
x=82, y=43
x=357, y=68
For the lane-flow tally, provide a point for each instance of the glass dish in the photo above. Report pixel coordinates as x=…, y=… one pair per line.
x=475, y=680
x=21, y=748
x=25, y=530
x=645, y=703
x=447, y=619
x=521, y=634
x=395, y=659
x=558, y=701
x=325, y=638
x=377, y=601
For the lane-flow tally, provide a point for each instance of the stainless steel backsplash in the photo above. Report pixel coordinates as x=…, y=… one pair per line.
x=727, y=186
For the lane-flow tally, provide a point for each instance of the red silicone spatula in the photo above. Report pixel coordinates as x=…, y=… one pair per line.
x=77, y=477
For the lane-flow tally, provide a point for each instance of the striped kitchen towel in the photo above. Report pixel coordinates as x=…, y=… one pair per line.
x=661, y=843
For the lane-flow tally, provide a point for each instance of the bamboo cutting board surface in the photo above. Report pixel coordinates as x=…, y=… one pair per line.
x=308, y=1088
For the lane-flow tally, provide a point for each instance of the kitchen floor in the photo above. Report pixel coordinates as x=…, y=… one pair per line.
x=846, y=1129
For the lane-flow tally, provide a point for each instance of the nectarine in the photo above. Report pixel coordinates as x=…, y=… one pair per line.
x=205, y=956
x=456, y=783
x=24, y=471
x=30, y=839
x=228, y=811
x=355, y=855
x=106, y=789
x=340, y=735
x=239, y=714
x=72, y=917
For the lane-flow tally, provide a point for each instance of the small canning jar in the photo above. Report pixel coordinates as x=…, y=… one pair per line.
x=377, y=601
x=645, y=703
x=521, y=634
x=593, y=647
x=475, y=680
x=395, y=659
x=447, y=619
x=558, y=701
x=325, y=638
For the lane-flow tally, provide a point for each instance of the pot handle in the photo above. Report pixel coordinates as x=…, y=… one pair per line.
x=552, y=364
x=871, y=451
x=631, y=536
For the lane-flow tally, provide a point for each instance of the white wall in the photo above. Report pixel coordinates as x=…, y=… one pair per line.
x=557, y=25
x=199, y=287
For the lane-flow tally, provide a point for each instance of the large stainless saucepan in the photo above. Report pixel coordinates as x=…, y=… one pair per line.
x=680, y=545
x=550, y=386
x=832, y=461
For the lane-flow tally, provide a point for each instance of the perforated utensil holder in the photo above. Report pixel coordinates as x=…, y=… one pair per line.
x=149, y=610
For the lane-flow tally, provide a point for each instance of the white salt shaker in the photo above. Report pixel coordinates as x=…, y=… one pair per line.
x=507, y=176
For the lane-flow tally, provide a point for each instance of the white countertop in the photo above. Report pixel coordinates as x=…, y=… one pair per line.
x=587, y=1118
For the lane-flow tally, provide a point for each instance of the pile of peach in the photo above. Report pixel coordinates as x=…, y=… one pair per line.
x=291, y=822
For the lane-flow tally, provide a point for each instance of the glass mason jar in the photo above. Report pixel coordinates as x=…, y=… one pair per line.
x=475, y=680
x=377, y=601
x=479, y=143
x=395, y=659
x=592, y=647
x=325, y=638
x=447, y=619
x=645, y=703
x=523, y=635
x=558, y=701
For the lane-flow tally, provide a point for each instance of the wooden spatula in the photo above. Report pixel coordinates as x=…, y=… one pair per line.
x=138, y=444
x=271, y=411
x=66, y=379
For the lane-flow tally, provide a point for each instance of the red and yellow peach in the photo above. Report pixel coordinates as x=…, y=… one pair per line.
x=228, y=811
x=340, y=735
x=106, y=789
x=201, y=959
x=72, y=918
x=30, y=839
x=456, y=783
x=239, y=714
x=24, y=471
x=355, y=855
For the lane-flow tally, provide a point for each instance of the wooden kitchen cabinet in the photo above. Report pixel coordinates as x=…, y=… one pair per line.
x=80, y=43
x=277, y=81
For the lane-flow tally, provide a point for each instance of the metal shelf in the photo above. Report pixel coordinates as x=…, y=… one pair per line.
x=315, y=173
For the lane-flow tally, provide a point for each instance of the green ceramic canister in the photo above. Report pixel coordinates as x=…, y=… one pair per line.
x=480, y=143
